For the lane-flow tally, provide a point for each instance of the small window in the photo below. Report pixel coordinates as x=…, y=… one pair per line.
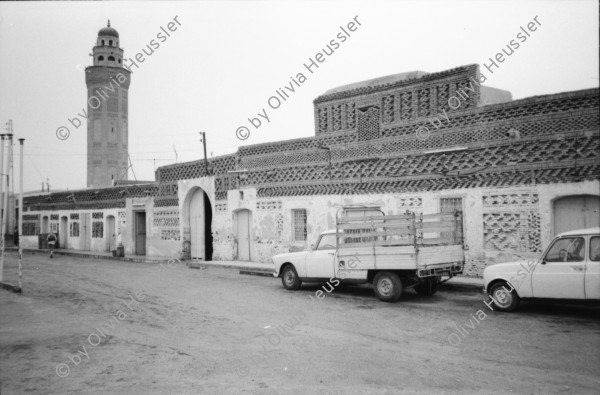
x=111, y=58
x=241, y=195
x=299, y=225
x=567, y=249
x=97, y=229
x=327, y=242
x=102, y=42
x=595, y=249
x=74, y=229
x=110, y=43
x=100, y=58
x=119, y=60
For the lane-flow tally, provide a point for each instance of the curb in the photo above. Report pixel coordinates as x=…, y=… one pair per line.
x=10, y=287
x=243, y=269
x=91, y=256
x=256, y=273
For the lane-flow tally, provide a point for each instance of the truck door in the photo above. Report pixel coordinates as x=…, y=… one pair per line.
x=592, y=270
x=320, y=262
x=561, y=274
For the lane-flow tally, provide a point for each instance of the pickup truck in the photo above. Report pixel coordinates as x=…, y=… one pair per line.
x=569, y=269
x=391, y=252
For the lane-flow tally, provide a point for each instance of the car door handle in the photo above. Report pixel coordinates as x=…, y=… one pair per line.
x=577, y=268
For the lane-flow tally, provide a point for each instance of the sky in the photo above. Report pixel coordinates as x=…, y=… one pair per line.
x=221, y=66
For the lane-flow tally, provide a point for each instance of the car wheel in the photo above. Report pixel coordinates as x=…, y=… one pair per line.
x=289, y=278
x=504, y=296
x=387, y=286
x=427, y=287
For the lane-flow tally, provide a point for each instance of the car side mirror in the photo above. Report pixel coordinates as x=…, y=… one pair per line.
x=543, y=261
x=312, y=247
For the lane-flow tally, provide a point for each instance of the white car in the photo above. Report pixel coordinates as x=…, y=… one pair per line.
x=569, y=269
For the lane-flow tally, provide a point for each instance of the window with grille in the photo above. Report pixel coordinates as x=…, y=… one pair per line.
x=97, y=229
x=30, y=229
x=74, y=229
x=299, y=225
x=453, y=206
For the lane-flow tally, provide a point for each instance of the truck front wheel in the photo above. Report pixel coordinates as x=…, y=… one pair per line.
x=290, y=279
x=387, y=286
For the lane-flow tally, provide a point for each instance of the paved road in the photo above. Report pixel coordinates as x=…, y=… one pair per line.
x=131, y=328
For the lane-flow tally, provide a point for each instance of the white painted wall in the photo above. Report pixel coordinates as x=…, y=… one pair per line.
x=271, y=227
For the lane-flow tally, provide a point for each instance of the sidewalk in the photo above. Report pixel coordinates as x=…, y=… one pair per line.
x=246, y=267
x=466, y=284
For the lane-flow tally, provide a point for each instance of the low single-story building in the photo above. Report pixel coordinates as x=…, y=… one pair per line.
x=519, y=171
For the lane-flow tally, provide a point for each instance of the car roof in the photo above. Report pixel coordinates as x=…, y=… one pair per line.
x=581, y=232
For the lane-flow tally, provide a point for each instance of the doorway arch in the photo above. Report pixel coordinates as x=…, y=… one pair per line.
x=576, y=212
x=63, y=234
x=242, y=220
x=197, y=222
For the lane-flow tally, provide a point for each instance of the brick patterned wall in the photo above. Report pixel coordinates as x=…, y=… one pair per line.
x=559, y=142
x=511, y=222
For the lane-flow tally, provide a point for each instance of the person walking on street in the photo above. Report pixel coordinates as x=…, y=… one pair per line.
x=51, y=242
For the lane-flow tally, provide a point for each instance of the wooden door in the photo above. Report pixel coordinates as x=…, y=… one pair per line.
x=576, y=212
x=111, y=236
x=85, y=231
x=63, y=232
x=140, y=233
x=243, y=235
x=197, y=225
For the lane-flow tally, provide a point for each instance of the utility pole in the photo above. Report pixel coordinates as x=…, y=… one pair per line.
x=6, y=216
x=203, y=139
x=2, y=201
x=131, y=166
x=5, y=212
x=20, y=229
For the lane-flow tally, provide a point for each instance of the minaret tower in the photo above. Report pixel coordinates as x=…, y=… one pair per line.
x=107, y=88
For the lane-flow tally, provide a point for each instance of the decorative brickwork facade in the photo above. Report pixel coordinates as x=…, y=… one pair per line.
x=502, y=164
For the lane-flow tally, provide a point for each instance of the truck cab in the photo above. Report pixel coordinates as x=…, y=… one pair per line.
x=317, y=264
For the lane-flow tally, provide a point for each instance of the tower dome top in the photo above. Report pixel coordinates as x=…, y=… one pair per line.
x=108, y=31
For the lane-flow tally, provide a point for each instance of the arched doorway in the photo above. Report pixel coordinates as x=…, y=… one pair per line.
x=63, y=234
x=199, y=221
x=241, y=223
x=111, y=233
x=576, y=212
